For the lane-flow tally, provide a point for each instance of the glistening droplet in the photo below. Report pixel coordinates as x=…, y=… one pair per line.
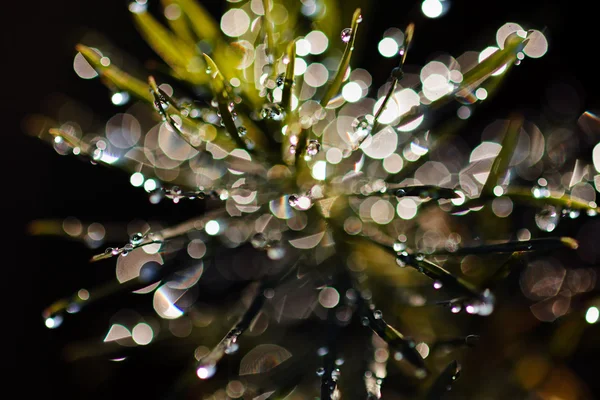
x=547, y=218
x=346, y=35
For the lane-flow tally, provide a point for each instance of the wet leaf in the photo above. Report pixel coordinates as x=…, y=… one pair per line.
x=335, y=85
x=182, y=58
x=502, y=160
x=201, y=21
x=543, y=244
x=443, y=383
x=288, y=83
x=114, y=75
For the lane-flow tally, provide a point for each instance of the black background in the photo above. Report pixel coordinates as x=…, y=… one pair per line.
x=37, y=54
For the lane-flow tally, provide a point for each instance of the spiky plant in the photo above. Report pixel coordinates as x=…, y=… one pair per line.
x=319, y=188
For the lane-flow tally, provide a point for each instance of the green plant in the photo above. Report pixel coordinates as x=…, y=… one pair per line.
x=332, y=191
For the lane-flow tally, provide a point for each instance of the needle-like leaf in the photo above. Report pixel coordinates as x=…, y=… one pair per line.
x=335, y=85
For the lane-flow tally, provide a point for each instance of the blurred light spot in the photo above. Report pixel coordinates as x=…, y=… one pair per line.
x=523, y=234
x=117, y=332
x=463, y=112
x=53, y=322
x=137, y=179
x=460, y=200
x=235, y=22
x=423, y=349
x=502, y=206
x=316, y=75
x=488, y=51
x=235, y=389
x=505, y=31
x=206, y=371
x=432, y=8
x=382, y=212
x=390, y=112
x=537, y=45
x=318, y=42
x=388, y=47
x=382, y=144
x=72, y=226
x=83, y=294
x=150, y=185
x=596, y=157
x=329, y=297
x=96, y=231
x=299, y=66
x=319, y=170
x=82, y=68
x=172, y=12
x=212, y=227
x=196, y=249
x=393, y=163
x=406, y=208
x=119, y=98
x=592, y=314
x=334, y=155
x=302, y=47
x=263, y=358
x=352, y=92
x=481, y=93
x=142, y=334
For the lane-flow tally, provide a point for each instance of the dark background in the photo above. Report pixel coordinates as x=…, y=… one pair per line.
x=37, y=55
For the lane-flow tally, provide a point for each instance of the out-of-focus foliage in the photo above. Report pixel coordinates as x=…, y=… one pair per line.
x=315, y=190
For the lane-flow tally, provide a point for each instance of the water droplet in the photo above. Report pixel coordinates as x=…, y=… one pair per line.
x=126, y=249
x=397, y=73
x=362, y=128
x=365, y=321
x=377, y=314
x=272, y=111
x=320, y=371
x=280, y=79
x=300, y=202
x=232, y=348
x=399, y=246
x=109, y=250
x=346, y=35
x=456, y=308
x=471, y=340
x=206, y=371
x=242, y=131
x=276, y=253
x=547, y=218
x=136, y=238
x=54, y=321
x=420, y=257
x=313, y=147
x=97, y=154
x=437, y=285
x=540, y=192
x=592, y=213
x=259, y=241
x=574, y=214
x=359, y=19
x=214, y=102
x=335, y=374
x=293, y=149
